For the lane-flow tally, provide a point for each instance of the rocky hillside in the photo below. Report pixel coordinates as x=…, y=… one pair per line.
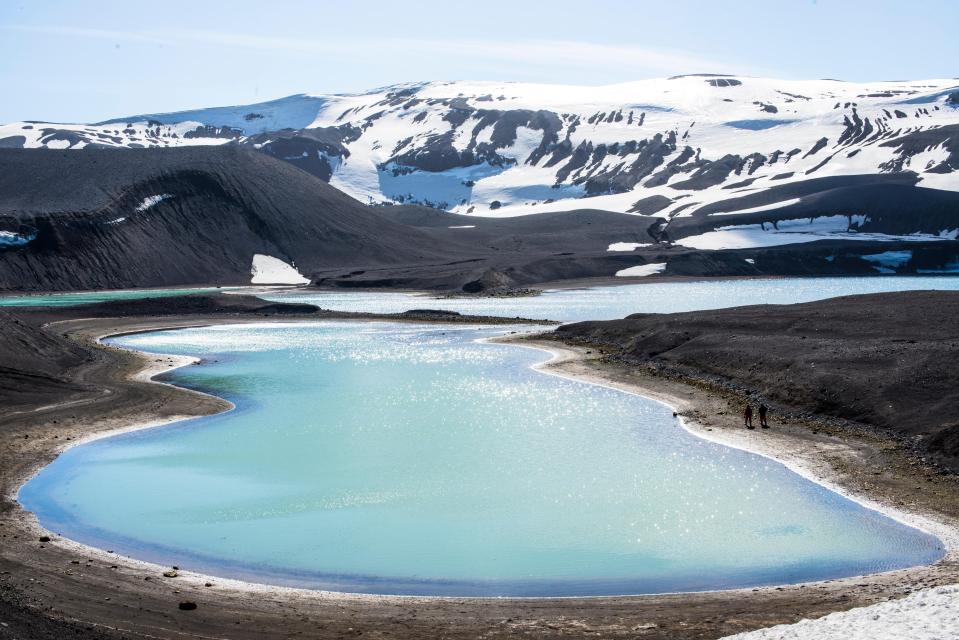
x=98, y=218
x=888, y=360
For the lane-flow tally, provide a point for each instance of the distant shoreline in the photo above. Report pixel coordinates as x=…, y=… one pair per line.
x=550, y=285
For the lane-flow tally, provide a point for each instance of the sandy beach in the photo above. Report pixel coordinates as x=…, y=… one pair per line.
x=58, y=587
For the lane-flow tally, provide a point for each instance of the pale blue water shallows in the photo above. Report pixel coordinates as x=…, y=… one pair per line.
x=607, y=303
x=74, y=298
x=410, y=459
x=567, y=305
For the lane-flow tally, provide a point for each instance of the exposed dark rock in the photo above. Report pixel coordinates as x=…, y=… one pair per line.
x=312, y=150
x=230, y=204
x=820, y=144
x=12, y=142
x=724, y=82
x=651, y=153
x=916, y=142
x=710, y=173
x=650, y=205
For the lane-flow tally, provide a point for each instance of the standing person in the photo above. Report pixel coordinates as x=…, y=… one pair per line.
x=763, y=410
x=748, y=416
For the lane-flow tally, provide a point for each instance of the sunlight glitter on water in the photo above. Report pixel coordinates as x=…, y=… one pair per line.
x=396, y=458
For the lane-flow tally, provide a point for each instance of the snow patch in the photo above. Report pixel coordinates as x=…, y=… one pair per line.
x=767, y=207
x=643, y=270
x=931, y=614
x=270, y=270
x=152, y=201
x=463, y=226
x=889, y=261
x=627, y=246
x=11, y=239
x=772, y=234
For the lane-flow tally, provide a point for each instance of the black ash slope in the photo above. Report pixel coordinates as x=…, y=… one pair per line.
x=212, y=208
x=225, y=204
x=889, y=360
x=101, y=218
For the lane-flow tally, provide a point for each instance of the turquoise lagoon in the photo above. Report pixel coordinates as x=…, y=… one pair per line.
x=412, y=459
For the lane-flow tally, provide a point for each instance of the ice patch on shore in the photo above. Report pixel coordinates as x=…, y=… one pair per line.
x=11, y=239
x=643, y=270
x=889, y=261
x=931, y=614
x=270, y=270
x=795, y=231
x=627, y=246
x=152, y=201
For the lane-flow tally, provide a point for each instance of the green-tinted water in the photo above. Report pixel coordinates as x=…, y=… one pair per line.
x=89, y=297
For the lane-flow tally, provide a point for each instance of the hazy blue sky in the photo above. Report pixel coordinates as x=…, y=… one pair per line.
x=83, y=61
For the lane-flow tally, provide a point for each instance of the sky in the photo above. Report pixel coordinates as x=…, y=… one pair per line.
x=84, y=61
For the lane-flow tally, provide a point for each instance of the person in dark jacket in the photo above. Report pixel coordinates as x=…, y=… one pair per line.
x=763, y=411
x=748, y=416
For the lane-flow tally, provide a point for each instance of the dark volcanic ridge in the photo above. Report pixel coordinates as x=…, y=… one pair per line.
x=108, y=219
x=885, y=360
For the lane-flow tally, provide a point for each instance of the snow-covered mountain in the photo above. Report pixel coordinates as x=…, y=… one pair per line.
x=725, y=162
x=661, y=147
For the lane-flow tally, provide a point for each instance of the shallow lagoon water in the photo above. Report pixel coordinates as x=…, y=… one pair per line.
x=410, y=459
x=606, y=303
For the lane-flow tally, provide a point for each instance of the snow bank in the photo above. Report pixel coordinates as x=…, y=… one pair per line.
x=11, y=239
x=152, y=201
x=627, y=246
x=643, y=270
x=772, y=234
x=931, y=614
x=270, y=270
x=767, y=207
x=889, y=261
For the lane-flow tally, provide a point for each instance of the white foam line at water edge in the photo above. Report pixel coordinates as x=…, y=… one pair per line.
x=946, y=534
